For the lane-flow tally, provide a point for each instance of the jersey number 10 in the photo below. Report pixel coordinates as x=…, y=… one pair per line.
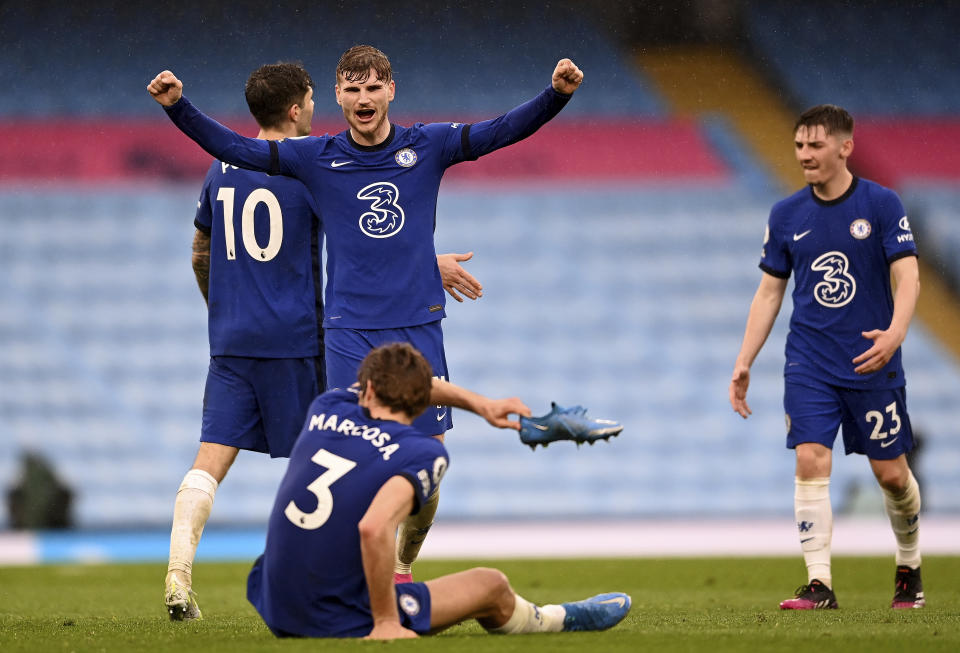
x=260, y=195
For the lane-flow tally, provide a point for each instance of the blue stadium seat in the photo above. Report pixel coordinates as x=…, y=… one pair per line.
x=475, y=62
x=856, y=49
x=627, y=300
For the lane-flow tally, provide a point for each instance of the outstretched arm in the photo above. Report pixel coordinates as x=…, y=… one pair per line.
x=455, y=278
x=763, y=313
x=885, y=342
x=378, y=528
x=220, y=142
x=495, y=411
x=489, y=135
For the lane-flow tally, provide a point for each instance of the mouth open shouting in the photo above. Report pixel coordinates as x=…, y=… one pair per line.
x=365, y=103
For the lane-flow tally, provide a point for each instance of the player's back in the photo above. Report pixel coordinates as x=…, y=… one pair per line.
x=265, y=276
x=310, y=579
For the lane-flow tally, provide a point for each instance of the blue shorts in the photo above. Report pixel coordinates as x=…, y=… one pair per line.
x=413, y=607
x=875, y=422
x=413, y=601
x=330, y=613
x=259, y=404
x=346, y=349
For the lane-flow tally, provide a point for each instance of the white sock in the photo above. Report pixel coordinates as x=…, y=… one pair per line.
x=811, y=505
x=190, y=513
x=411, y=534
x=529, y=618
x=904, y=513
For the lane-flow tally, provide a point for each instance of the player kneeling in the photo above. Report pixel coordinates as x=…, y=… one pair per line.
x=357, y=470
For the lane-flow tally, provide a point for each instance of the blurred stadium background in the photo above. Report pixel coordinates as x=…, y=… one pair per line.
x=618, y=247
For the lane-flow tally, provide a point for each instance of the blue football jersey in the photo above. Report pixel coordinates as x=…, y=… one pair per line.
x=265, y=292
x=839, y=252
x=378, y=203
x=310, y=579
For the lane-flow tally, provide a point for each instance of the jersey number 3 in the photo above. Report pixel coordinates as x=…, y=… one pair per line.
x=259, y=196
x=336, y=468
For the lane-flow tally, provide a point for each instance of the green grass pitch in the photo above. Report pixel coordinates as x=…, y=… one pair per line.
x=712, y=605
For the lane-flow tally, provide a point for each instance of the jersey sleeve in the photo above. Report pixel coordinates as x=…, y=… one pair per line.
x=897, y=236
x=775, y=257
x=425, y=469
x=203, y=220
x=221, y=142
x=450, y=138
x=293, y=157
x=515, y=125
x=250, y=153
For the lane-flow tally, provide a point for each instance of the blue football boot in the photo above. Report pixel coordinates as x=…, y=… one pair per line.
x=566, y=424
x=596, y=613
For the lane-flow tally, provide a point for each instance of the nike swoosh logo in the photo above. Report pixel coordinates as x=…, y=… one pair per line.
x=540, y=427
x=884, y=445
x=339, y=164
x=619, y=600
x=441, y=416
x=913, y=531
x=797, y=237
x=807, y=539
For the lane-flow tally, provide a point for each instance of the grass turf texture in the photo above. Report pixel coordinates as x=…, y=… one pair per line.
x=678, y=605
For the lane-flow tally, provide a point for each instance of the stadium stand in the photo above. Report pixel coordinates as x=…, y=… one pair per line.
x=625, y=299
x=95, y=60
x=618, y=252
x=877, y=58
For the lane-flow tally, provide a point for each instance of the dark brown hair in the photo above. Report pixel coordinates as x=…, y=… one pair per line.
x=355, y=64
x=272, y=89
x=401, y=377
x=835, y=120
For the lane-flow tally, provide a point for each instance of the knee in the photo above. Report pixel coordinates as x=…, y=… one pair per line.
x=893, y=480
x=495, y=581
x=497, y=589
x=813, y=462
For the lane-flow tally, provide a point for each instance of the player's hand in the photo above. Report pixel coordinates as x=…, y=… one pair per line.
x=166, y=88
x=455, y=278
x=738, y=390
x=885, y=345
x=497, y=412
x=566, y=77
x=390, y=630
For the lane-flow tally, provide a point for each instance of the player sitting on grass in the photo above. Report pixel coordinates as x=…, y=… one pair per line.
x=356, y=472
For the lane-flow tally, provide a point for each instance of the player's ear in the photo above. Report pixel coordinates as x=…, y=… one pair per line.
x=391, y=90
x=336, y=90
x=846, y=148
x=366, y=394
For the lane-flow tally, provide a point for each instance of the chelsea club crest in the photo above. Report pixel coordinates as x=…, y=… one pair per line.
x=860, y=228
x=405, y=157
x=409, y=604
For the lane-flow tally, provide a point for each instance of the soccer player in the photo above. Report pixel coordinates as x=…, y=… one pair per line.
x=376, y=185
x=257, y=261
x=356, y=471
x=841, y=238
